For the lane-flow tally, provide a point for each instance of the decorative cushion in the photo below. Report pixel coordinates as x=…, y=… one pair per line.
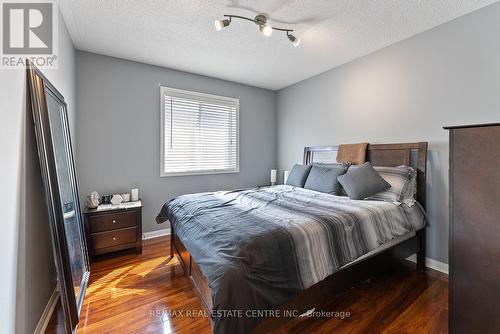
x=324, y=179
x=352, y=153
x=362, y=181
x=346, y=165
x=298, y=175
x=403, y=181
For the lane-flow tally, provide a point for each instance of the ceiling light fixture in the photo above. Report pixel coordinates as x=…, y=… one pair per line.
x=267, y=30
x=295, y=40
x=261, y=21
x=219, y=24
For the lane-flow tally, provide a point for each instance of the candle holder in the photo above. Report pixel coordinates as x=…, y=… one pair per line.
x=134, y=195
x=273, y=177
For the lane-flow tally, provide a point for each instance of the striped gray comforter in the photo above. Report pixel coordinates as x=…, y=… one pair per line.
x=260, y=247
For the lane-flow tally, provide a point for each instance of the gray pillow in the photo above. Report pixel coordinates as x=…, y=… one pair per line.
x=298, y=175
x=362, y=181
x=402, y=180
x=324, y=179
x=346, y=165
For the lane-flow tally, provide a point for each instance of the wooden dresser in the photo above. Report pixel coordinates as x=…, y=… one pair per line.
x=113, y=229
x=474, y=281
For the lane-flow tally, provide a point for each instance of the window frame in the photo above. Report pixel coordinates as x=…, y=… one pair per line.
x=164, y=90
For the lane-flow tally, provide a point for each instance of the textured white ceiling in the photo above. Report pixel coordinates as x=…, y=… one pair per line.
x=180, y=34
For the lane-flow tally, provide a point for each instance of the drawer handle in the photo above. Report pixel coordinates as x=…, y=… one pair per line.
x=114, y=221
x=114, y=238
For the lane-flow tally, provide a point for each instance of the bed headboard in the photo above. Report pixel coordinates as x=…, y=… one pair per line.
x=410, y=154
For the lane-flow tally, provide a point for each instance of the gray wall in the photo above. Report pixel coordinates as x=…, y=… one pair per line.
x=405, y=92
x=118, y=131
x=28, y=273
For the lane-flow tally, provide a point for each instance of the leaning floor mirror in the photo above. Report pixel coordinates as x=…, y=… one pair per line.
x=61, y=193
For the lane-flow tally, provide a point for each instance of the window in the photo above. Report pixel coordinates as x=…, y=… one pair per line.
x=199, y=133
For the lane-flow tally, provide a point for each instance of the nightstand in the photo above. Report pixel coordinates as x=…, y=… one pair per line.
x=111, y=228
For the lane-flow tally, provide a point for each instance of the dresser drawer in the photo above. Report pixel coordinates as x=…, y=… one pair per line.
x=112, y=221
x=114, y=238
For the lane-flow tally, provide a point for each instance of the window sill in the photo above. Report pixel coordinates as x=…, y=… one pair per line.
x=199, y=173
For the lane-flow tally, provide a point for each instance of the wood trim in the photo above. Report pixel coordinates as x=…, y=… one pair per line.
x=451, y=232
x=481, y=125
x=47, y=313
x=422, y=174
x=156, y=234
x=433, y=264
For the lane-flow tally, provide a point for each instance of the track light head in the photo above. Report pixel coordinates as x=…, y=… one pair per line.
x=267, y=30
x=261, y=21
x=219, y=24
x=295, y=40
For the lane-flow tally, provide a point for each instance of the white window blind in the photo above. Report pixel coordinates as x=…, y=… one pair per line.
x=199, y=133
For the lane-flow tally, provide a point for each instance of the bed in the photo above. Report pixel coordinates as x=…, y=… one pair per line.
x=257, y=257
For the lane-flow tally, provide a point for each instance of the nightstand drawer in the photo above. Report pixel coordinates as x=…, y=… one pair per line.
x=112, y=221
x=114, y=238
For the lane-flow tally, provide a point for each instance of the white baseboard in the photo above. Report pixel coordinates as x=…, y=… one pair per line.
x=155, y=234
x=47, y=313
x=431, y=263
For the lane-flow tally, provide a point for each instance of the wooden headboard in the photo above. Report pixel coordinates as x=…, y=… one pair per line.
x=410, y=154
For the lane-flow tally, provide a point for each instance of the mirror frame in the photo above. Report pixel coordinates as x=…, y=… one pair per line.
x=39, y=86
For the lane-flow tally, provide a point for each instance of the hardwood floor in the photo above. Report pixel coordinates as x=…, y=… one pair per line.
x=133, y=294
